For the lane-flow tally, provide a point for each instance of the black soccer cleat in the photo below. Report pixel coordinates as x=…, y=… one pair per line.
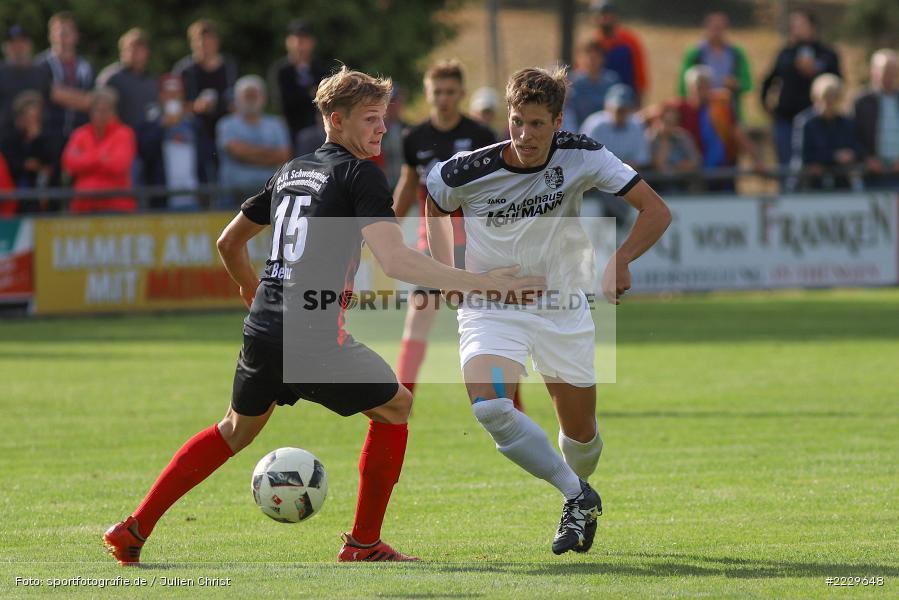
x=577, y=528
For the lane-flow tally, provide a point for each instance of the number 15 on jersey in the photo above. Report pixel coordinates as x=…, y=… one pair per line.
x=293, y=242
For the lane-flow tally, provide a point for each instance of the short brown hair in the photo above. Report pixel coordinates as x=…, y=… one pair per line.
x=65, y=16
x=593, y=46
x=446, y=69
x=135, y=34
x=25, y=100
x=202, y=27
x=538, y=86
x=345, y=89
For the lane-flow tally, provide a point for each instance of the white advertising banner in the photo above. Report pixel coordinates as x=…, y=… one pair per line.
x=791, y=241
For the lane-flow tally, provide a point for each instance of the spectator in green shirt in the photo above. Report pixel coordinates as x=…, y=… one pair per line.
x=728, y=63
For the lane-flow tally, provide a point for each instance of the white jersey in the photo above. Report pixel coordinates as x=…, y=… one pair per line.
x=530, y=216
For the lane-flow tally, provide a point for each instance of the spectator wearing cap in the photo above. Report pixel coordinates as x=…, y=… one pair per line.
x=824, y=140
x=618, y=128
x=208, y=77
x=877, y=120
x=251, y=144
x=797, y=64
x=18, y=73
x=31, y=153
x=294, y=78
x=708, y=116
x=728, y=63
x=72, y=77
x=624, y=50
x=98, y=156
x=483, y=106
x=623, y=133
x=589, y=85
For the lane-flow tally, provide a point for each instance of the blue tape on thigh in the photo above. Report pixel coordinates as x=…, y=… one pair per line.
x=479, y=399
x=499, y=384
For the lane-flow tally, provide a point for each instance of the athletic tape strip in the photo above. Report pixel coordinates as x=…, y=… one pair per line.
x=499, y=384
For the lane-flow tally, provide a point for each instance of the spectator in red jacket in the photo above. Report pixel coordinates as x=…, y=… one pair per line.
x=99, y=156
x=7, y=207
x=624, y=51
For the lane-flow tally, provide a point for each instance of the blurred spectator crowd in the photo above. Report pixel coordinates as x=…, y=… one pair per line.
x=205, y=123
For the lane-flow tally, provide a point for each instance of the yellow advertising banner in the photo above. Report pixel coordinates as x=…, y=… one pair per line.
x=134, y=262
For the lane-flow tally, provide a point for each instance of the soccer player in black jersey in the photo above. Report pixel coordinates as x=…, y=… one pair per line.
x=445, y=132
x=309, y=250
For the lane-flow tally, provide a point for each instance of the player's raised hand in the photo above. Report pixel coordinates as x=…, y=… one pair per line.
x=616, y=280
x=505, y=285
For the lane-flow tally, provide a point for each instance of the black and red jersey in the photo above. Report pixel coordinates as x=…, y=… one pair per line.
x=424, y=146
x=317, y=205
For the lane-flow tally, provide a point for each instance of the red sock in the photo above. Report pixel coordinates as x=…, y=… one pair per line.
x=380, y=464
x=516, y=399
x=195, y=461
x=412, y=354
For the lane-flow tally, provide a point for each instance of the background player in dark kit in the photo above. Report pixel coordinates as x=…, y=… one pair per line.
x=445, y=132
x=353, y=106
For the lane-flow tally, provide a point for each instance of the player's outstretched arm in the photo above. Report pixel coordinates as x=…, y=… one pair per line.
x=232, y=247
x=653, y=219
x=402, y=262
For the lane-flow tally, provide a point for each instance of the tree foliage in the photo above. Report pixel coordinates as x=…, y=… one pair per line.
x=873, y=23
x=380, y=36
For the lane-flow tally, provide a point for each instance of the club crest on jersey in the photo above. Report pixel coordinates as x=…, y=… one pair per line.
x=554, y=178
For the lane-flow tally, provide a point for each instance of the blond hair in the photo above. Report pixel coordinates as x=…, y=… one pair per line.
x=824, y=84
x=345, y=89
x=538, y=86
x=695, y=74
x=446, y=69
x=134, y=35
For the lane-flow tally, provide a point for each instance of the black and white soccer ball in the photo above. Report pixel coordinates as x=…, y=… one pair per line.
x=289, y=485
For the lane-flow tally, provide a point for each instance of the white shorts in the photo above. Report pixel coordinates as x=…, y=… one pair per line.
x=561, y=343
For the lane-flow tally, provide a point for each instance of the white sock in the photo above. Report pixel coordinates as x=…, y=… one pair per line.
x=523, y=442
x=581, y=456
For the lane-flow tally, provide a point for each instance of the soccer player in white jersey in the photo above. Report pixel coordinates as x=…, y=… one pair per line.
x=516, y=196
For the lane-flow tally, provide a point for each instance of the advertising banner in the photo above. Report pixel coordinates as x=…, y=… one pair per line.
x=791, y=241
x=16, y=254
x=134, y=262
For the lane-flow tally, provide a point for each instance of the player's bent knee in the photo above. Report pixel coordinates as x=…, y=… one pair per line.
x=498, y=417
x=402, y=403
x=396, y=410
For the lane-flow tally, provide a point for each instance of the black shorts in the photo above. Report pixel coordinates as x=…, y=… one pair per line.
x=259, y=381
x=458, y=256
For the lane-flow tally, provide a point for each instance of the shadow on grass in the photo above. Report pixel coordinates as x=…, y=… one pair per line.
x=74, y=356
x=689, y=414
x=628, y=565
x=679, y=565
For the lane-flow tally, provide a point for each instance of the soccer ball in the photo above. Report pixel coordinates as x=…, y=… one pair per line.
x=289, y=485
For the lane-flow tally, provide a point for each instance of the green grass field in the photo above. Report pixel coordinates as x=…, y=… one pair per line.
x=751, y=451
